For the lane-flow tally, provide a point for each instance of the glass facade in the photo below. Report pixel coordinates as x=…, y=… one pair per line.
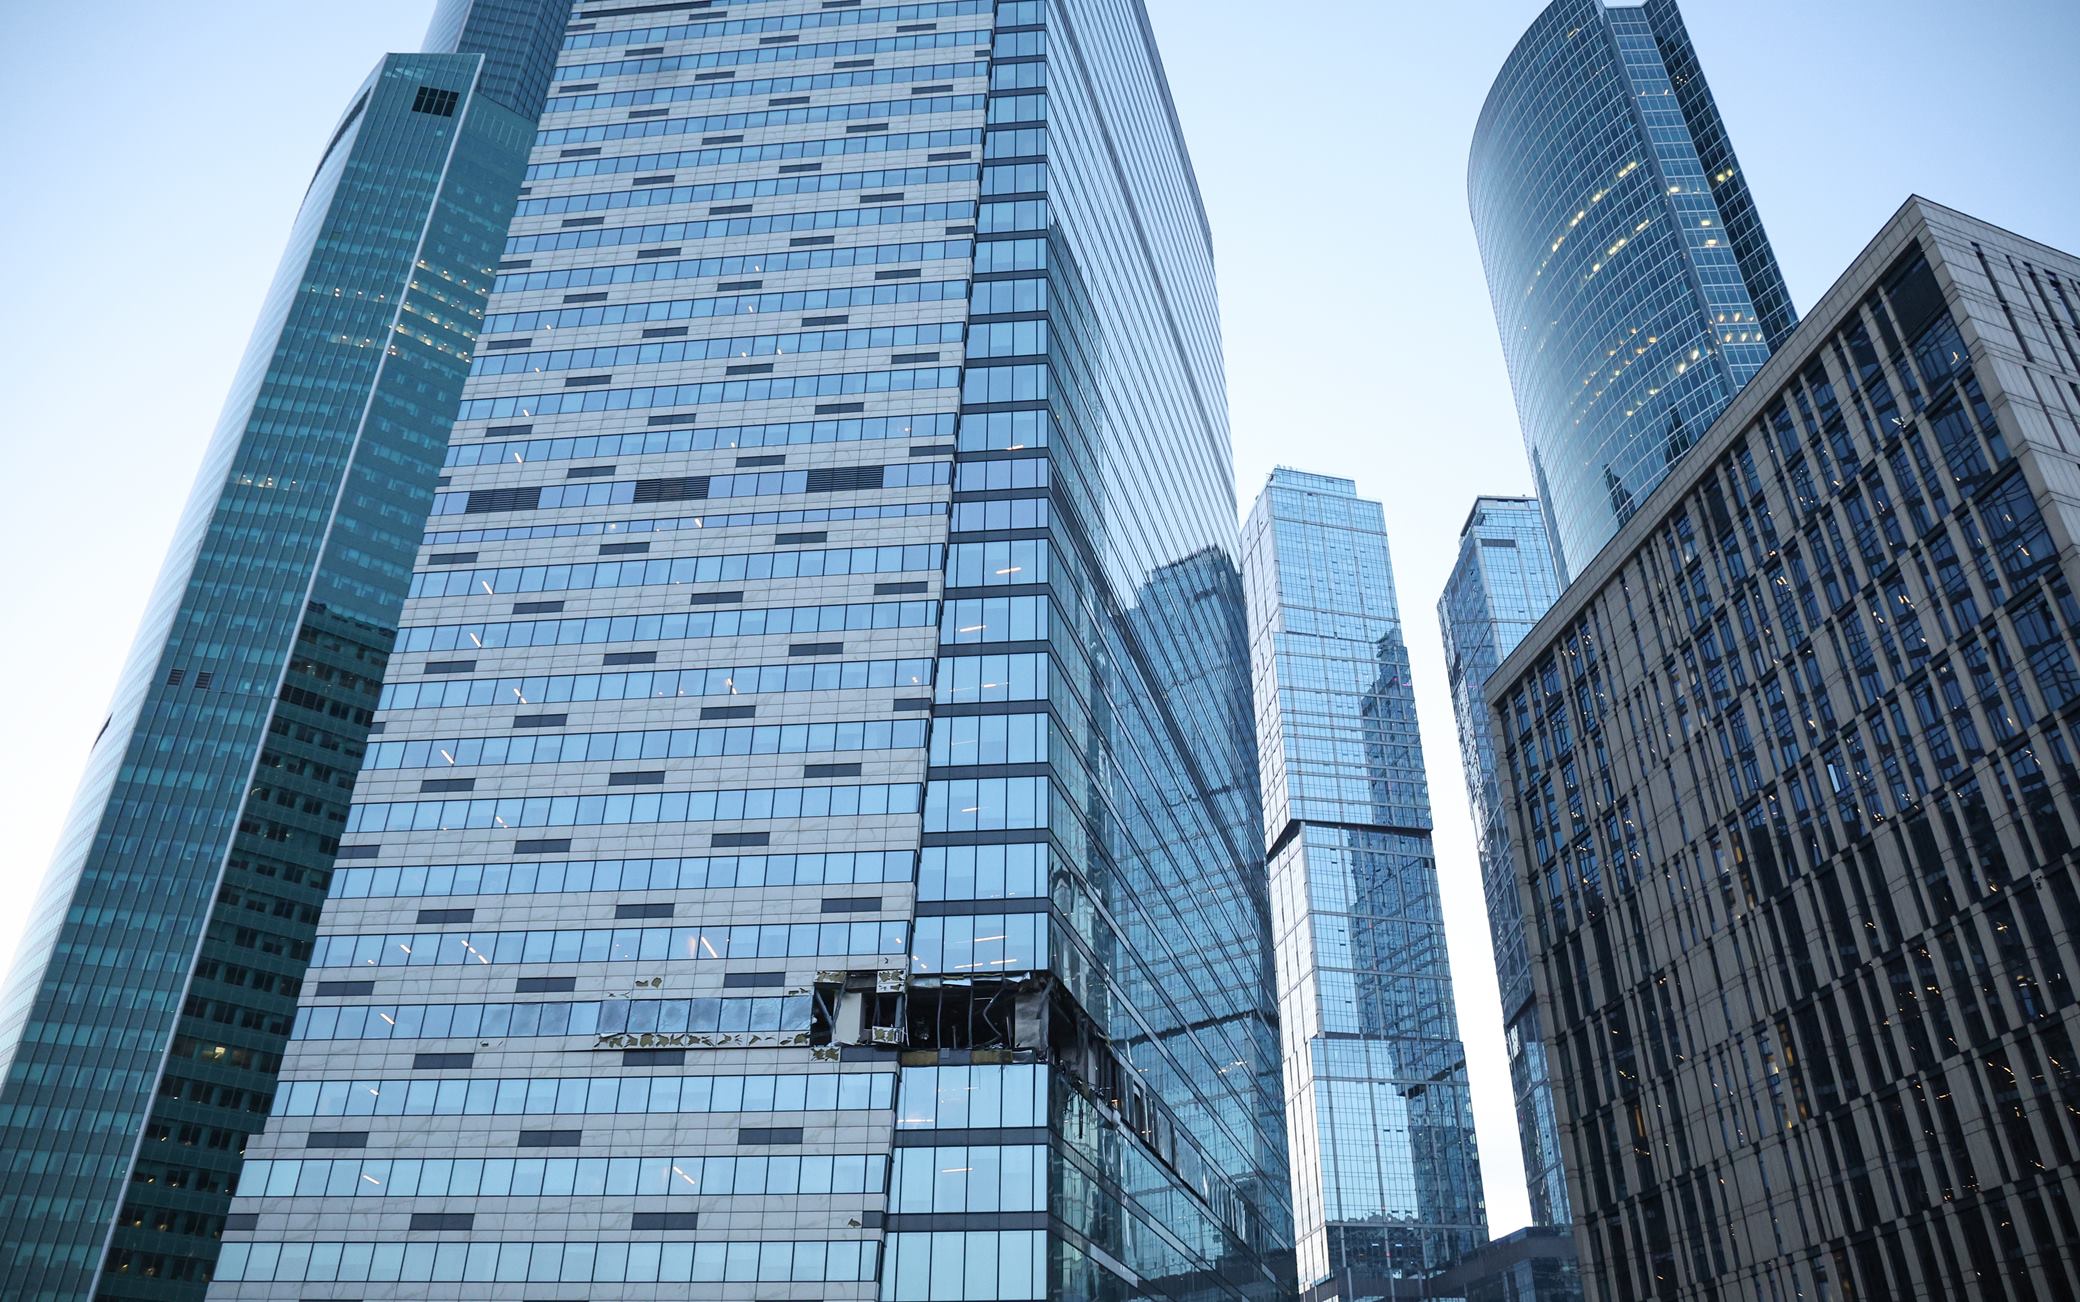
x=1534, y=1264
x=1503, y=581
x=885, y=835
x=1385, y=1171
x=1633, y=285
x=1791, y=777
x=519, y=40
x=143, y=1025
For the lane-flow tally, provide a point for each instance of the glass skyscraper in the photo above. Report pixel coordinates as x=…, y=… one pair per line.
x=1632, y=282
x=1385, y=1171
x=1502, y=582
x=811, y=842
x=144, y=1022
x=1792, y=772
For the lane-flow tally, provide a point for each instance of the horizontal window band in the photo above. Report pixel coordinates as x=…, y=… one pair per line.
x=955, y=772
x=582, y=161
x=684, y=488
x=660, y=570
x=974, y=908
x=993, y=1136
x=958, y=650
x=873, y=940
x=843, y=13
x=994, y=836
x=499, y=749
x=762, y=54
x=754, y=805
x=714, y=391
x=734, y=348
x=970, y=1222
x=497, y=449
x=661, y=684
x=819, y=1091
x=576, y=1264
x=575, y=876
x=769, y=187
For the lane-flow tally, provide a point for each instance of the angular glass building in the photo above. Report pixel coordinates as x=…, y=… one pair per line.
x=1791, y=777
x=811, y=844
x=1386, y=1174
x=145, y=1020
x=1502, y=582
x=1632, y=282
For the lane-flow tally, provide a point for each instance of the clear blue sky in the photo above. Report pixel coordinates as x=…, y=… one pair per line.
x=155, y=153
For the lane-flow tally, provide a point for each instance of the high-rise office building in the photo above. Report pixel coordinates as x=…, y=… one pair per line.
x=1502, y=582
x=1793, y=787
x=143, y=1024
x=1632, y=282
x=1386, y=1176
x=811, y=845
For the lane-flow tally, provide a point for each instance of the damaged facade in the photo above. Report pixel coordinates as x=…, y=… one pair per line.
x=853, y=886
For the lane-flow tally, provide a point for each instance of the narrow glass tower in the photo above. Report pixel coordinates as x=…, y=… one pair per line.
x=144, y=1022
x=812, y=845
x=1386, y=1176
x=1633, y=284
x=1502, y=582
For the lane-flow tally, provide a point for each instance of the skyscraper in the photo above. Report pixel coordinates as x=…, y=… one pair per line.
x=811, y=843
x=1633, y=285
x=143, y=1023
x=1791, y=780
x=1386, y=1175
x=1500, y=585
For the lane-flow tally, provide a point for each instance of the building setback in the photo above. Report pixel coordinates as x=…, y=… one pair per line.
x=144, y=1021
x=1633, y=285
x=1792, y=784
x=1386, y=1174
x=1533, y=1264
x=811, y=847
x=1502, y=582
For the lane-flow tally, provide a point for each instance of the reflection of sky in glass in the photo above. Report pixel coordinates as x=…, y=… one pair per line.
x=1386, y=1179
x=333, y=435
x=1632, y=284
x=1503, y=582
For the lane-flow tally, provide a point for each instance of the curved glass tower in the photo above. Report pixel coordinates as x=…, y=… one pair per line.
x=1633, y=285
x=143, y=1026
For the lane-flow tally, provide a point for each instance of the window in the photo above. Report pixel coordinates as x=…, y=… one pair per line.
x=439, y=103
